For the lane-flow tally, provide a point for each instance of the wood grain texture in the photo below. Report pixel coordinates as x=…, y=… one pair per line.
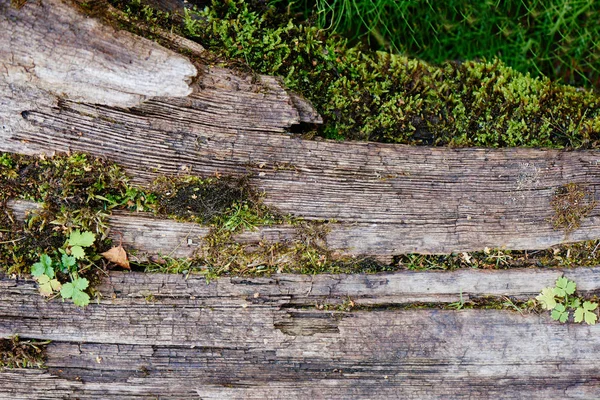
x=220, y=341
x=396, y=198
x=52, y=47
x=152, y=236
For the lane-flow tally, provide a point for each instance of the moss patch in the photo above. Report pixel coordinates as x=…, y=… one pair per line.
x=19, y=353
x=77, y=192
x=378, y=96
x=211, y=200
x=571, y=203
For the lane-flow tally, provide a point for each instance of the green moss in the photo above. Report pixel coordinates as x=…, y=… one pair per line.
x=571, y=203
x=365, y=95
x=222, y=201
x=19, y=353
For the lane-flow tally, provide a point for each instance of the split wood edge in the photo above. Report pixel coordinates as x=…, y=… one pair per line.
x=148, y=236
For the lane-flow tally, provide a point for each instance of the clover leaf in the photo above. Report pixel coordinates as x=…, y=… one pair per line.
x=43, y=267
x=585, y=313
x=67, y=262
x=83, y=239
x=564, y=287
x=75, y=290
x=560, y=313
x=47, y=286
x=546, y=298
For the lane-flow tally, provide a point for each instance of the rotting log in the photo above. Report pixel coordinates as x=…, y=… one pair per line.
x=149, y=237
x=223, y=341
x=72, y=84
x=69, y=83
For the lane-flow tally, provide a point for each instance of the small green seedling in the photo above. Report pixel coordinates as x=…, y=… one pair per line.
x=75, y=290
x=557, y=300
x=45, y=270
x=77, y=241
x=585, y=313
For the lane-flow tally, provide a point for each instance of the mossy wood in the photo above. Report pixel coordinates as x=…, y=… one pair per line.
x=162, y=336
x=147, y=236
x=158, y=113
x=70, y=83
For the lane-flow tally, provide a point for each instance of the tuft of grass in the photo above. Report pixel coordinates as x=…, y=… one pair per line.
x=18, y=353
x=571, y=203
x=555, y=38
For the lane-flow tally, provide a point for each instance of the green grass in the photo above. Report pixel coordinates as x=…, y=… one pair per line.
x=556, y=38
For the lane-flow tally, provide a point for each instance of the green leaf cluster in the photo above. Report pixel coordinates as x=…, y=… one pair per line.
x=561, y=300
x=77, y=241
x=46, y=269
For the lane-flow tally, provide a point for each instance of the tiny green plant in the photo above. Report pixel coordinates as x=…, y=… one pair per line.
x=458, y=305
x=46, y=269
x=561, y=301
x=586, y=313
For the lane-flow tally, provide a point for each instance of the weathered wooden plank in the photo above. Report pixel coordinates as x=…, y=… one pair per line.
x=220, y=341
x=404, y=199
x=50, y=47
x=402, y=287
x=290, y=290
x=146, y=236
x=151, y=236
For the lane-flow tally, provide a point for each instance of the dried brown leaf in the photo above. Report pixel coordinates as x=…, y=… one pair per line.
x=118, y=256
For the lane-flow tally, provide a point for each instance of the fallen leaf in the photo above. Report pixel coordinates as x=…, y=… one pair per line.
x=118, y=256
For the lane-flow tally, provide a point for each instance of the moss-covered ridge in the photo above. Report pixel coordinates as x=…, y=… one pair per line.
x=378, y=96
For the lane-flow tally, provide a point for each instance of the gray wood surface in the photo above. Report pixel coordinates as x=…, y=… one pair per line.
x=250, y=338
x=389, y=199
x=68, y=83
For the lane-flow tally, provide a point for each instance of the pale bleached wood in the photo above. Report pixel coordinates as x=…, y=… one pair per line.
x=404, y=287
x=52, y=47
x=286, y=290
x=148, y=235
x=208, y=343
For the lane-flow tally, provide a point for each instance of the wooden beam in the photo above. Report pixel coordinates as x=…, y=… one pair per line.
x=152, y=236
x=221, y=340
x=401, y=199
